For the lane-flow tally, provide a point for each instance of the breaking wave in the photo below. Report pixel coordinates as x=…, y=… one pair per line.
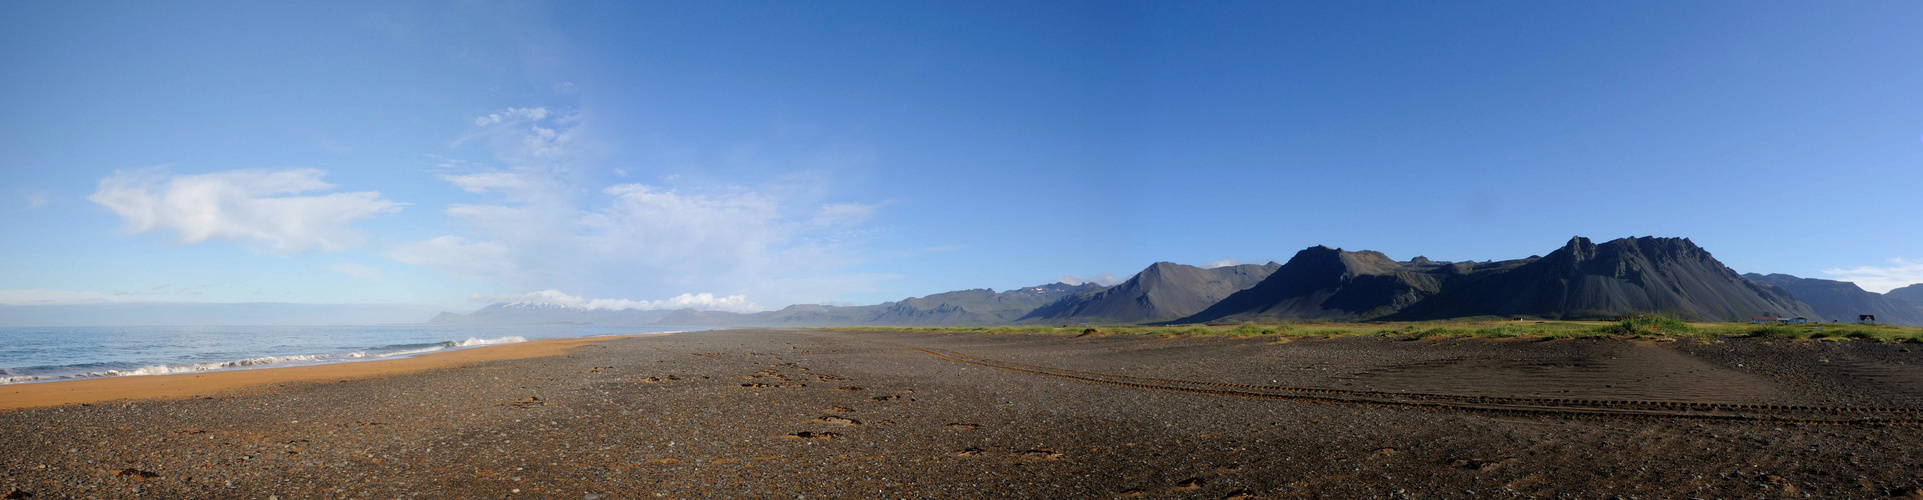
x=13, y=376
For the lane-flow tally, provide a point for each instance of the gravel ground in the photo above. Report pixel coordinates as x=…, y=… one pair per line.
x=817, y=414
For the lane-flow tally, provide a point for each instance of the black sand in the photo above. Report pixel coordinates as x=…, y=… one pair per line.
x=855, y=415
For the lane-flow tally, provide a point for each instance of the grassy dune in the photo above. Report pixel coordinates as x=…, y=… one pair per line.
x=1648, y=327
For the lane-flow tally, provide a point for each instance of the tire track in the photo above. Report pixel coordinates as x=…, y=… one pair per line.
x=1547, y=407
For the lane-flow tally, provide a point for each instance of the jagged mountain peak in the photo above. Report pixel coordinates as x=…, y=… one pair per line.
x=1578, y=247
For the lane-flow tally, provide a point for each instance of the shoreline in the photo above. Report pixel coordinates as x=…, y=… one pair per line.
x=15, y=397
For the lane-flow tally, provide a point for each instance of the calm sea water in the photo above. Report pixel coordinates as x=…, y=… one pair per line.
x=34, y=354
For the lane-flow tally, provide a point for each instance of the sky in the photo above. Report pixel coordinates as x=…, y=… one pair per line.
x=746, y=156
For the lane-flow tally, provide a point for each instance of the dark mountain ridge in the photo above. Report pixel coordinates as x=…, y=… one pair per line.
x=1581, y=280
x=1163, y=291
x=1647, y=275
x=1331, y=284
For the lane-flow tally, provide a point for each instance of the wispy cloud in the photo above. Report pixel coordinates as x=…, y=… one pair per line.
x=702, y=301
x=1104, y=279
x=500, y=182
x=1221, y=263
x=1880, y=279
x=538, y=225
x=512, y=116
x=261, y=207
x=522, y=133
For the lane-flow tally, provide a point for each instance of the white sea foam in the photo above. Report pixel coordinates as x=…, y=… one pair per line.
x=261, y=361
x=471, y=341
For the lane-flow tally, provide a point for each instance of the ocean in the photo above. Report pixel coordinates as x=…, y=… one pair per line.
x=43, y=354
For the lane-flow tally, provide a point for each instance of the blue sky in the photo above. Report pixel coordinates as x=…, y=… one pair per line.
x=440, y=155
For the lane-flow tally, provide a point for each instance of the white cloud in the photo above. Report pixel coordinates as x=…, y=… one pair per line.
x=544, y=143
x=357, y=270
x=1221, y=263
x=512, y=116
x=702, y=301
x=250, y=206
x=45, y=297
x=1898, y=274
x=482, y=260
x=1104, y=279
x=35, y=201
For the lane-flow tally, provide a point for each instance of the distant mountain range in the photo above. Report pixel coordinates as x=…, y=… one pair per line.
x=959, y=308
x=530, y=314
x=1581, y=280
x=1844, y=301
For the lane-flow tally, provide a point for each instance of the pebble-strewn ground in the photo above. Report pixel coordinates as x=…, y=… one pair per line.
x=815, y=414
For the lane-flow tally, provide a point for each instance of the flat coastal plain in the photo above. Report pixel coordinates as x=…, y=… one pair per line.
x=831, y=414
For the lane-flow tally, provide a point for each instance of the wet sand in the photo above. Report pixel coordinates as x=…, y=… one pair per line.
x=822, y=414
